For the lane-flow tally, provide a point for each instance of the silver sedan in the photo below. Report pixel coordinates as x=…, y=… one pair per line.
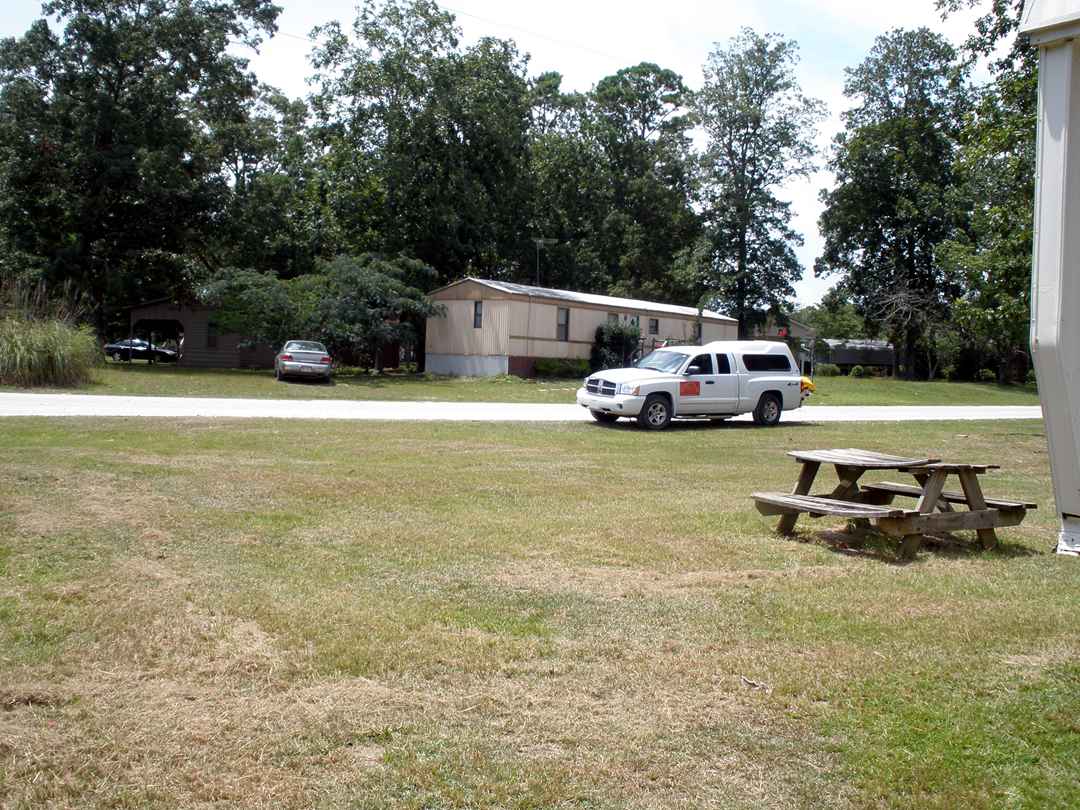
x=303, y=358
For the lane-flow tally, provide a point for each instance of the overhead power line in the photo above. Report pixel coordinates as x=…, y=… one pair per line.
x=563, y=42
x=511, y=26
x=294, y=36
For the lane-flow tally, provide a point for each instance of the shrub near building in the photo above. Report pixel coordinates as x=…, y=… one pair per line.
x=560, y=368
x=614, y=346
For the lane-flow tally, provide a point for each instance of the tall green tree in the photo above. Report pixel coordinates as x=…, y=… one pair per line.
x=761, y=131
x=639, y=118
x=835, y=317
x=572, y=192
x=106, y=176
x=270, y=220
x=426, y=141
x=897, y=197
x=997, y=156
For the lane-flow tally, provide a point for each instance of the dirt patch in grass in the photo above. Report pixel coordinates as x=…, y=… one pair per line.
x=156, y=737
x=77, y=502
x=612, y=582
x=28, y=697
x=239, y=742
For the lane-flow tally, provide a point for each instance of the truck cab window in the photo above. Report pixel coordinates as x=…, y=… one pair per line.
x=704, y=363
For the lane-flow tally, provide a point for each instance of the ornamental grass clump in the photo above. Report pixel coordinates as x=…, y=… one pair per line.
x=46, y=352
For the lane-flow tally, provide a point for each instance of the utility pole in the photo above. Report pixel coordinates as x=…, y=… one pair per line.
x=541, y=242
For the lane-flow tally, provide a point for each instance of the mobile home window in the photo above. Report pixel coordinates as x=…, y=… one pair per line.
x=613, y=317
x=562, y=331
x=654, y=326
x=478, y=315
x=766, y=362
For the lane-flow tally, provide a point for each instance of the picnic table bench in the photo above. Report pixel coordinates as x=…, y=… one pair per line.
x=873, y=503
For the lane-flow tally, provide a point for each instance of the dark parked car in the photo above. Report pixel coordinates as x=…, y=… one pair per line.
x=136, y=349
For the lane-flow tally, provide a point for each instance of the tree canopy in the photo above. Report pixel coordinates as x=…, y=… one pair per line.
x=108, y=177
x=356, y=305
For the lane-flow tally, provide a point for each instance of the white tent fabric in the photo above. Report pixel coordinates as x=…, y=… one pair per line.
x=1054, y=25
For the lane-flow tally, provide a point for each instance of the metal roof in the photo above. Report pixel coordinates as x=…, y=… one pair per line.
x=858, y=344
x=591, y=298
x=1048, y=20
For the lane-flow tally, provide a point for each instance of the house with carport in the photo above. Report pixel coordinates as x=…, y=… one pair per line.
x=201, y=343
x=498, y=327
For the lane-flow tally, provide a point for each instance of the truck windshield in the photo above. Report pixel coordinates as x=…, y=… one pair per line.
x=661, y=360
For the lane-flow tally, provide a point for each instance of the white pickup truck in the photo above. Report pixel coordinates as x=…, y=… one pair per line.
x=716, y=381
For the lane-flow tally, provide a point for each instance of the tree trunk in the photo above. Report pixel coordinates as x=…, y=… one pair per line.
x=740, y=303
x=909, y=354
x=419, y=350
x=744, y=332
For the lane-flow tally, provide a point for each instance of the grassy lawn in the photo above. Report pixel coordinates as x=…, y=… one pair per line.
x=887, y=391
x=141, y=379
x=267, y=614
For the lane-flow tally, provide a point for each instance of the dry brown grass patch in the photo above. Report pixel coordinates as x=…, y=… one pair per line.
x=78, y=502
x=616, y=582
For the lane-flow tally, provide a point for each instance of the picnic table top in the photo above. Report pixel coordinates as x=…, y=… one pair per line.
x=948, y=467
x=867, y=459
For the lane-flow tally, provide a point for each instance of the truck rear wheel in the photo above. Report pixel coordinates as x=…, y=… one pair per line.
x=655, y=413
x=768, y=410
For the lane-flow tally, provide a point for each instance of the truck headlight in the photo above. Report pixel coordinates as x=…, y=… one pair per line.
x=629, y=388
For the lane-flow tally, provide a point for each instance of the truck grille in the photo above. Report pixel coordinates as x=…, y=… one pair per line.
x=601, y=387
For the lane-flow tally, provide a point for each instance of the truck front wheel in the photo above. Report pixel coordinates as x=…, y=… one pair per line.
x=768, y=410
x=655, y=413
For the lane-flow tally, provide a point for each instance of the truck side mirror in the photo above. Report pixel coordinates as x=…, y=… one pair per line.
x=693, y=370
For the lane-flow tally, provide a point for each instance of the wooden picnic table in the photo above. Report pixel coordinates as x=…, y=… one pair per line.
x=872, y=502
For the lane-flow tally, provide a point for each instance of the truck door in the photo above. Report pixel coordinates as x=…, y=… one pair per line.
x=701, y=392
x=725, y=388
x=693, y=396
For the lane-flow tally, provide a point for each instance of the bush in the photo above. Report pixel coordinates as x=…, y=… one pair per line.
x=986, y=375
x=858, y=371
x=614, y=345
x=557, y=367
x=46, y=352
x=1030, y=378
x=827, y=370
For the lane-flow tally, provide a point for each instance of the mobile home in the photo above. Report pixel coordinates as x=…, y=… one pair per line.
x=496, y=327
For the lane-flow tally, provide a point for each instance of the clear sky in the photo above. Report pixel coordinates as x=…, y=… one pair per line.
x=586, y=40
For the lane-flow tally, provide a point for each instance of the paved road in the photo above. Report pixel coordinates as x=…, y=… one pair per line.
x=94, y=405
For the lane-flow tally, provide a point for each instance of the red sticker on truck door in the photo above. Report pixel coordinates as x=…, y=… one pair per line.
x=690, y=388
